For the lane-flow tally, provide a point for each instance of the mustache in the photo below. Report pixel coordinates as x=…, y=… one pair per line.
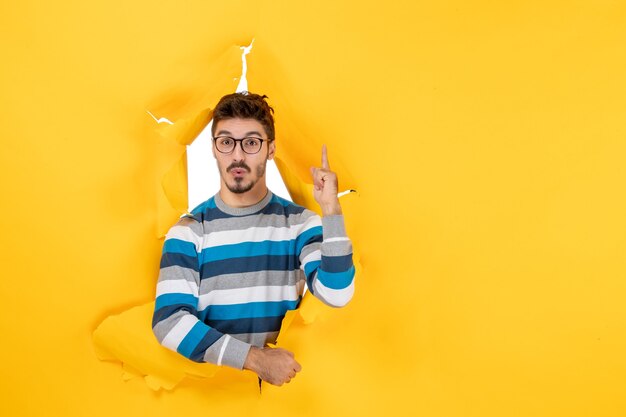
x=238, y=165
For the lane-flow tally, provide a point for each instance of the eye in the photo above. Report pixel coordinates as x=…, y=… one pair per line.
x=225, y=141
x=251, y=142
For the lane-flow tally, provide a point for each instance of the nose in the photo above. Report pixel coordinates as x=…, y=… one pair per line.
x=238, y=153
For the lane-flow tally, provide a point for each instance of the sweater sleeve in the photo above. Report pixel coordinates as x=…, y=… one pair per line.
x=326, y=259
x=176, y=321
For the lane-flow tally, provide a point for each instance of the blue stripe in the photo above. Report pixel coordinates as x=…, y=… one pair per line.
x=246, y=249
x=336, y=263
x=167, y=311
x=180, y=247
x=251, y=325
x=209, y=338
x=248, y=310
x=179, y=259
x=251, y=264
x=312, y=235
x=284, y=203
x=309, y=272
x=175, y=298
x=336, y=281
x=213, y=213
x=202, y=207
x=276, y=207
x=191, y=339
x=310, y=268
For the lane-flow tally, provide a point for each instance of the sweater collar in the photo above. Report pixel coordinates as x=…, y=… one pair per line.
x=243, y=211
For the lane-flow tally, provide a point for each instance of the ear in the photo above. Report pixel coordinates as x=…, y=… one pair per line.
x=271, y=150
x=213, y=149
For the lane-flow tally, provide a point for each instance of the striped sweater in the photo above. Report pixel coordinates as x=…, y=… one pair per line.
x=229, y=275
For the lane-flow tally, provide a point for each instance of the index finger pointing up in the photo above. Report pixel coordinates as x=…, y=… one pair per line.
x=325, y=164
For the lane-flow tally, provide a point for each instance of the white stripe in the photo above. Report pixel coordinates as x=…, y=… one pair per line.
x=249, y=295
x=176, y=286
x=311, y=222
x=185, y=234
x=336, y=239
x=179, y=331
x=337, y=298
x=252, y=234
x=223, y=349
x=258, y=234
x=313, y=256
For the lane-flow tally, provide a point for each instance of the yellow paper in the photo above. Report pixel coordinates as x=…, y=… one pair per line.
x=486, y=143
x=128, y=337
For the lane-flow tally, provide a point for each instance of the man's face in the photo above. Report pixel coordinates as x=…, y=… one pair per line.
x=241, y=172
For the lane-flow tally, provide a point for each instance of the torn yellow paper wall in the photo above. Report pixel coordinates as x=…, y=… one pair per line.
x=127, y=337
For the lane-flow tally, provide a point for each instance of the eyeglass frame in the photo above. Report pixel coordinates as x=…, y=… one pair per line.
x=240, y=144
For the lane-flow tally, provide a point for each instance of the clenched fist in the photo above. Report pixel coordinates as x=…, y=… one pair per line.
x=276, y=366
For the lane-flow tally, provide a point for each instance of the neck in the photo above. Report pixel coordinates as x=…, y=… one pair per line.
x=246, y=199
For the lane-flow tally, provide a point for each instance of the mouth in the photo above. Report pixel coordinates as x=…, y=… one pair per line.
x=238, y=172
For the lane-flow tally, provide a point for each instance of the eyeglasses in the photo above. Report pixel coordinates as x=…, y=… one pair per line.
x=249, y=144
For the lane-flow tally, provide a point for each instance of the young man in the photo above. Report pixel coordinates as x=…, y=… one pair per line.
x=233, y=268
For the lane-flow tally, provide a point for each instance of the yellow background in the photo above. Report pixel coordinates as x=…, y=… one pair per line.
x=486, y=142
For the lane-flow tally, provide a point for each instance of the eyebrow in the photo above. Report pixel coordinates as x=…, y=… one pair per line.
x=251, y=133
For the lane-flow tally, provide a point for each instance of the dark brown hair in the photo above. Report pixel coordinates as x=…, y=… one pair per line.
x=245, y=105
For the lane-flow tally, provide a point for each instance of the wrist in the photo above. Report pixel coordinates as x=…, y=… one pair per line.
x=331, y=209
x=252, y=360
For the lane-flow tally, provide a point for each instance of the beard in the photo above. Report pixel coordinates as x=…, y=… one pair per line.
x=240, y=186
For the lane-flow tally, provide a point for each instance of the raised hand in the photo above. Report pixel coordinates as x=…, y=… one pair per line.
x=325, y=186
